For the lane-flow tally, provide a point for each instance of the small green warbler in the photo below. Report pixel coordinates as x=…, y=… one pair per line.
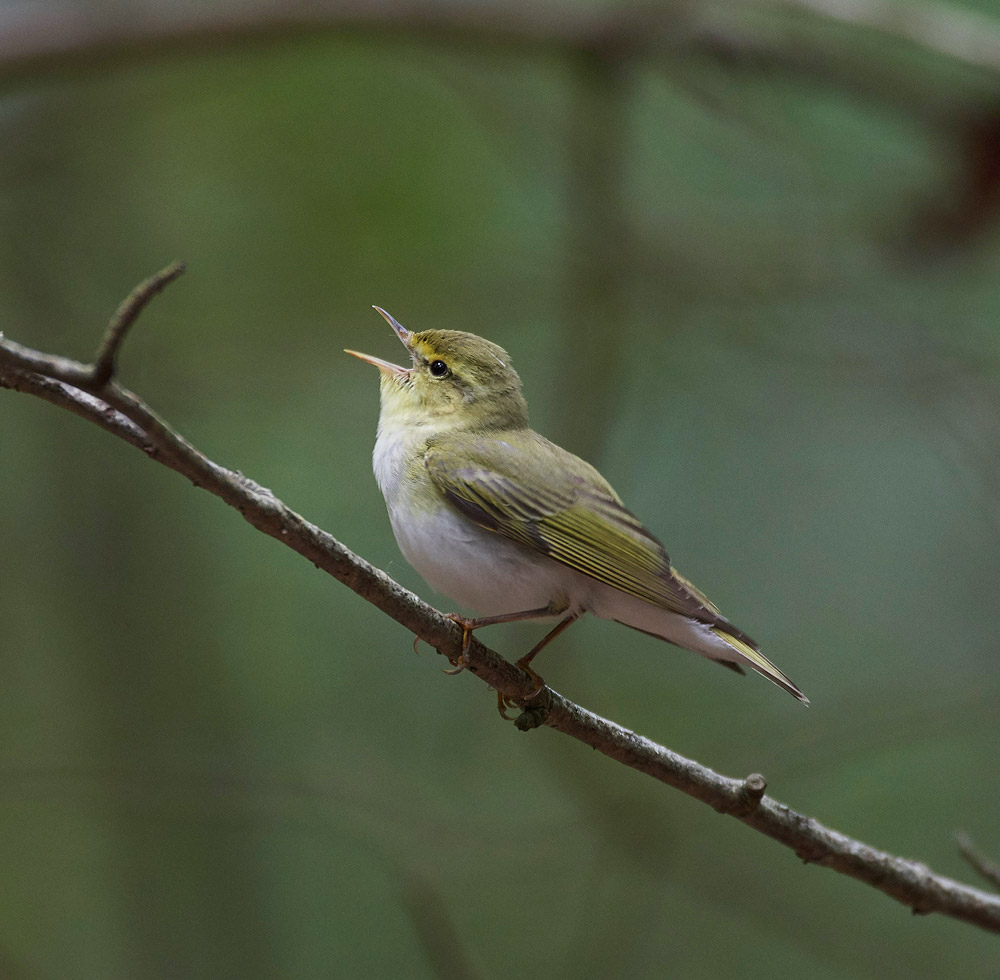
x=505, y=522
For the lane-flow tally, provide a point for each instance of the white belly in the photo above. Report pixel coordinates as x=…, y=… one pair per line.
x=477, y=568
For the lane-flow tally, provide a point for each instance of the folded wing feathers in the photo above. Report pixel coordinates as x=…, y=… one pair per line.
x=578, y=525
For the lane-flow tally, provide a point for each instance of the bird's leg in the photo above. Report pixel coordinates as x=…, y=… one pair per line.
x=468, y=625
x=524, y=663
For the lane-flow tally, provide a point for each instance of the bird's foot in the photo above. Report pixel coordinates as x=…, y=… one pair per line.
x=460, y=663
x=504, y=702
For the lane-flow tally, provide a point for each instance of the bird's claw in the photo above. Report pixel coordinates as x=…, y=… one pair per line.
x=462, y=661
x=504, y=702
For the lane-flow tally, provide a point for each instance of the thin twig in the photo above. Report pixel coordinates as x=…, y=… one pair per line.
x=125, y=316
x=987, y=867
x=115, y=409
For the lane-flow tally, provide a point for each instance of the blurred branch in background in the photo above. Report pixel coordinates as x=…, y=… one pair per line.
x=85, y=390
x=35, y=37
x=434, y=928
x=788, y=35
x=36, y=40
x=946, y=29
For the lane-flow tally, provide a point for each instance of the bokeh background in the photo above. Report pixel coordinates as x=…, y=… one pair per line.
x=745, y=257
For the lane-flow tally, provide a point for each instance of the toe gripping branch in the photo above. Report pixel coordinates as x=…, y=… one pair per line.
x=533, y=715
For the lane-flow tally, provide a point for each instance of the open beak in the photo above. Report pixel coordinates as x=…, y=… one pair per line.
x=394, y=370
x=401, y=331
x=387, y=368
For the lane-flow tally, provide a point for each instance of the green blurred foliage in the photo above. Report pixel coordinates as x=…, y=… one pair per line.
x=219, y=762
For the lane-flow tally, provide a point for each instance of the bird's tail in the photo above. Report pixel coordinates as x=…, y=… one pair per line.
x=755, y=659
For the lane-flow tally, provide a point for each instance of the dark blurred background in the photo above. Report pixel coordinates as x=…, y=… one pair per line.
x=745, y=257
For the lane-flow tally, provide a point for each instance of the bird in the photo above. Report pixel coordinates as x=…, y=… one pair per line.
x=503, y=521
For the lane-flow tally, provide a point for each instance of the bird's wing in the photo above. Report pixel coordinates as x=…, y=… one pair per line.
x=554, y=503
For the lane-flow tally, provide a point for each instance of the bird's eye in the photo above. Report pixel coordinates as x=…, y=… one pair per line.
x=439, y=369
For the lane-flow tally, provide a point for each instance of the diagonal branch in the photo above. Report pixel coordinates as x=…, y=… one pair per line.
x=79, y=389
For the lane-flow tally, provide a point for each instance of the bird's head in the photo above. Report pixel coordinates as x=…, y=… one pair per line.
x=456, y=381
